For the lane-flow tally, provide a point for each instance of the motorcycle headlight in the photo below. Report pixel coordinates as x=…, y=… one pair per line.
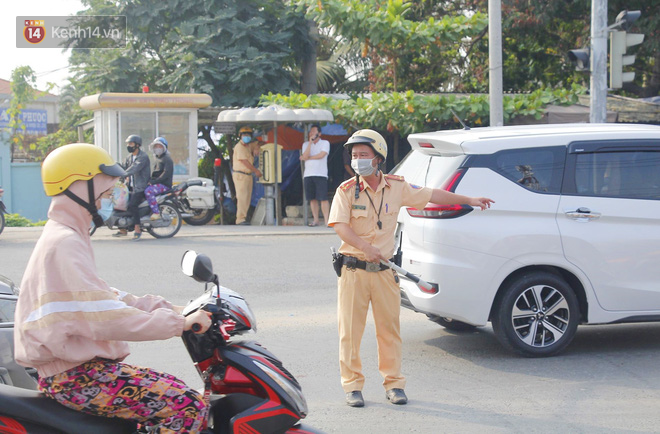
x=285, y=384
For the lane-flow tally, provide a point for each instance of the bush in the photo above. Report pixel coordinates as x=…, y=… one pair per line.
x=18, y=221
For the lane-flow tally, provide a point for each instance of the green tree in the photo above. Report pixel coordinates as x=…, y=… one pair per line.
x=538, y=34
x=233, y=50
x=23, y=89
x=388, y=36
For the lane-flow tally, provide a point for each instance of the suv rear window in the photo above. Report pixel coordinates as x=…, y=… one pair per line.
x=537, y=169
x=428, y=170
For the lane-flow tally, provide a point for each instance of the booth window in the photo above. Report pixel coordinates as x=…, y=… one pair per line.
x=174, y=126
x=141, y=123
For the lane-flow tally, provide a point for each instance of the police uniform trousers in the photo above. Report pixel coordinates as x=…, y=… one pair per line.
x=243, y=185
x=356, y=289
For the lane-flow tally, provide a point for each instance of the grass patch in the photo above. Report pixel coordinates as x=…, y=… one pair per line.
x=18, y=221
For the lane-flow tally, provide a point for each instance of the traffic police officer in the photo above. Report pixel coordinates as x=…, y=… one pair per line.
x=364, y=214
x=242, y=174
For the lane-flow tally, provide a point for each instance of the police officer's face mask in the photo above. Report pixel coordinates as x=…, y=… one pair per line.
x=246, y=139
x=363, y=166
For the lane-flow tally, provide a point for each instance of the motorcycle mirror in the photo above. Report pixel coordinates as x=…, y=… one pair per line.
x=198, y=266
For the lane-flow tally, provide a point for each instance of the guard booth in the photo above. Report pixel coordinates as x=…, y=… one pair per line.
x=149, y=115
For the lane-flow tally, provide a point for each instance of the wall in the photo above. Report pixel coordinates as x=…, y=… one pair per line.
x=24, y=192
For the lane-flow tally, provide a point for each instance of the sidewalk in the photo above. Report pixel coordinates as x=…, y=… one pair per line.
x=24, y=234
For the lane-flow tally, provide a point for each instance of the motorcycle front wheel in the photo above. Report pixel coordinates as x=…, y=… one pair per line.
x=200, y=217
x=168, y=212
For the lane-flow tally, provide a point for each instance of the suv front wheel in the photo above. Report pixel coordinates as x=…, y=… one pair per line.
x=537, y=315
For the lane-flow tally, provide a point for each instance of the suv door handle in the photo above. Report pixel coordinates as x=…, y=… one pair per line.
x=582, y=214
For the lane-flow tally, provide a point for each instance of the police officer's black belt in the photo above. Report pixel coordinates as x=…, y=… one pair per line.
x=352, y=262
x=244, y=173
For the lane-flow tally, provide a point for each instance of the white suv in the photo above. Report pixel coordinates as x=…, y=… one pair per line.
x=573, y=238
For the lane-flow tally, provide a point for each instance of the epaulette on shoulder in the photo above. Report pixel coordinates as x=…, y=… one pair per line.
x=394, y=177
x=347, y=184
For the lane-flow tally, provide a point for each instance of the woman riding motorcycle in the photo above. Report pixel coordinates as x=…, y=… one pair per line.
x=72, y=327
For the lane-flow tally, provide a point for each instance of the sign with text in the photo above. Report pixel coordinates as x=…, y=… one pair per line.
x=82, y=31
x=34, y=121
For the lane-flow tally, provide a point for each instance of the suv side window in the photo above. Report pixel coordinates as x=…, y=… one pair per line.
x=538, y=169
x=631, y=174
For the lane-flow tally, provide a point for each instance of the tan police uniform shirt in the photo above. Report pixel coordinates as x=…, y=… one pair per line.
x=394, y=191
x=241, y=152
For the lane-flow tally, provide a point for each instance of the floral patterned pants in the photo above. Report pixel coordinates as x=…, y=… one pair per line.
x=112, y=389
x=151, y=192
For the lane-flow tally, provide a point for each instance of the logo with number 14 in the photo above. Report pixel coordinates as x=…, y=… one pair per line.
x=34, y=31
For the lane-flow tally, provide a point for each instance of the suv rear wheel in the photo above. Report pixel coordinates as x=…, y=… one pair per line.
x=451, y=324
x=537, y=315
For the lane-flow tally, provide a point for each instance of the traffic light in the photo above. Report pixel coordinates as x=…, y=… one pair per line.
x=620, y=40
x=580, y=56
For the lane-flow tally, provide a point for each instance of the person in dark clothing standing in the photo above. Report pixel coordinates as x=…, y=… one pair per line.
x=137, y=166
x=161, y=177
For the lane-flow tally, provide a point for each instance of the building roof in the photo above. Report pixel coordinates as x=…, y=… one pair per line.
x=5, y=89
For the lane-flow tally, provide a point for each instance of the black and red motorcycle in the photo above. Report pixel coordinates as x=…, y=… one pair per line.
x=247, y=387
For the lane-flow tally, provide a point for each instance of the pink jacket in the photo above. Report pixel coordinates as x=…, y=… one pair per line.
x=66, y=315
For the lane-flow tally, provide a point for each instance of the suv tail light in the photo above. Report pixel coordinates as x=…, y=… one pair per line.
x=433, y=211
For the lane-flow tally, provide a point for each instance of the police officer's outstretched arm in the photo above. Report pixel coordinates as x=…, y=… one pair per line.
x=348, y=235
x=444, y=197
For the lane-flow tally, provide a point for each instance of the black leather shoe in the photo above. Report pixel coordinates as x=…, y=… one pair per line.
x=396, y=396
x=354, y=399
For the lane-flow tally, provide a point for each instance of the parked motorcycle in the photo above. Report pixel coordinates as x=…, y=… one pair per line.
x=3, y=211
x=171, y=210
x=202, y=202
x=247, y=387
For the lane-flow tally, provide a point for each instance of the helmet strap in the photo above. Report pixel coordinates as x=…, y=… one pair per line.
x=89, y=206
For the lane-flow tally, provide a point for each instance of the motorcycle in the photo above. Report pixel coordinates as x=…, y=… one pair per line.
x=247, y=387
x=201, y=201
x=3, y=211
x=171, y=212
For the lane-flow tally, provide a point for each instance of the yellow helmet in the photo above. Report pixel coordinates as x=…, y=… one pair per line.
x=371, y=138
x=75, y=162
x=245, y=130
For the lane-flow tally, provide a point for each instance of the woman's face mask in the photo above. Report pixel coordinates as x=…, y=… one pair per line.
x=158, y=151
x=106, y=208
x=363, y=166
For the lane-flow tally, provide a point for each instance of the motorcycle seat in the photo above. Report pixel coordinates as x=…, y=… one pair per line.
x=36, y=408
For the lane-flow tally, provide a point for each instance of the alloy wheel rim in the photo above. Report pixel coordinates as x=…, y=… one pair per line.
x=540, y=316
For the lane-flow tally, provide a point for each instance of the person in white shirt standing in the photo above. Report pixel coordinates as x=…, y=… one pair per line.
x=315, y=177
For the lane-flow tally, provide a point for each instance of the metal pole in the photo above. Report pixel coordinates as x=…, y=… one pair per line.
x=278, y=211
x=302, y=175
x=495, y=62
x=598, y=112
